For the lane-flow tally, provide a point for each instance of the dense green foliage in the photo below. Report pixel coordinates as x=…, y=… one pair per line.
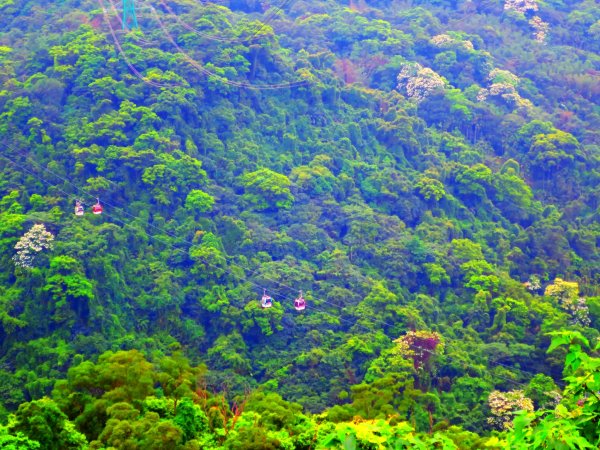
x=432, y=186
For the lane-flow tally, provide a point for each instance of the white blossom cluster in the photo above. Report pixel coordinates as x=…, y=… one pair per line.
x=540, y=28
x=503, y=84
x=521, y=6
x=419, y=82
x=533, y=284
x=504, y=405
x=447, y=41
x=30, y=244
x=578, y=309
x=567, y=293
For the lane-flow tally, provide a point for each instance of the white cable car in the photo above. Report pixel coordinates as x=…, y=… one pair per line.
x=79, y=208
x=266, y=301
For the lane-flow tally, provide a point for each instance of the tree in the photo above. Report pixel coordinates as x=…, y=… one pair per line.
x=199, y=201
x=436, y=274
x=267, y=190
x=90, y=389
x=431, y=188
x=175, y=176
x=512, y=195
x=505, y=405
x=382, y=434
x=190, y=419
x=573, y=423
x=268, y=320
x=473, y=181
x=567, y=294
x=210, y=262
x=543, y=391
x=71, y=291
x=421, y=346
x=31, y=244
x=480, y=275
x=127, y=428
x=42, y=421
x=419, y=82
x=18, y=442
x=8, y=301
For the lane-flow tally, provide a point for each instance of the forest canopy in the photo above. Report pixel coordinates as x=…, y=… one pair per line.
x=424, y=174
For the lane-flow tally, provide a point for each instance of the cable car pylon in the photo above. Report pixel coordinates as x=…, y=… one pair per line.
x=129, y=18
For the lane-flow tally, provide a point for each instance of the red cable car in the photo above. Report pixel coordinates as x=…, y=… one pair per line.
x=266, y=301
x=300, y=303
x=97, y=208
x=78, y=208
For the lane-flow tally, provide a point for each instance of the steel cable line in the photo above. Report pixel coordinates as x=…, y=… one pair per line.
x=220, y=78
x=312, y=307
x=371, y=319
x=254, y=36
x=190, y=60
x=171, y=245
x=126, y=224
x=126, y=58
x=271, y=16
x=189, y=243
x=161, y=230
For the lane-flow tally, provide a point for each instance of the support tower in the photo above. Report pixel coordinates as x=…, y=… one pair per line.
x=129, y=18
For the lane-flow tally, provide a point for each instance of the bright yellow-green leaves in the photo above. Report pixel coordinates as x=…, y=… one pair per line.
x=430, y=188
x=267, y=189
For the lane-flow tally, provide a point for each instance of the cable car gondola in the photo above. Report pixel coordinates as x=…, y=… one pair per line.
x=300, y=303
x=266, y=301
x=97, y=208
x=78, y=208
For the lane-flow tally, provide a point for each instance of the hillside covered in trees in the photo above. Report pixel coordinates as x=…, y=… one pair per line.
x=425, y=173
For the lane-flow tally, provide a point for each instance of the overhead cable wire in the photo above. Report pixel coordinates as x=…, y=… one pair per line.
x=162, y=231
x=219, y=78
x=160, y=240
x=212, y=37
x=170, y=234
x=373, y=320
x=271, y=17
x=132, y=68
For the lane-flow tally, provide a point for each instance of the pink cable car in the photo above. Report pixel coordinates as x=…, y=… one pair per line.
x=97, y=208
x=299, y=303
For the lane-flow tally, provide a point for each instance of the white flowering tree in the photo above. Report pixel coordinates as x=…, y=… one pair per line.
x=36, y=240
x=567, y=294
x=521, y=6
x=419, y=82
x=505, y=405
x=528, y=7
x=540, y=28
x=503, y=84
x=533, y=283
x=447, y=41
